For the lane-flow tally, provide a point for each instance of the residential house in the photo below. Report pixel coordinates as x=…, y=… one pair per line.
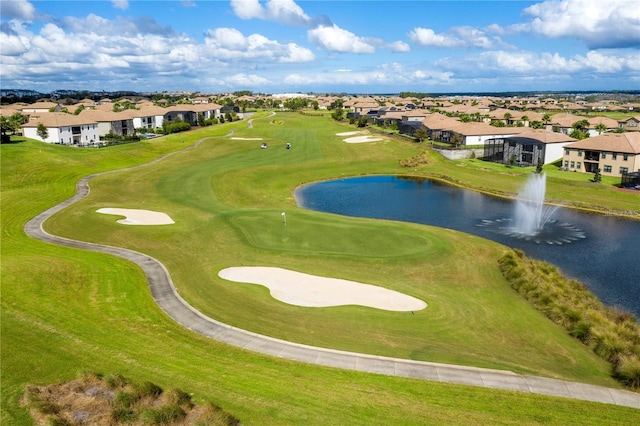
x=62, y=128
x=595, y=124
x=39, y=107
x=119, y=123
x=614, y=154
x=149, y=118
x=631, y=124
x=529, y=148
x=475, y=134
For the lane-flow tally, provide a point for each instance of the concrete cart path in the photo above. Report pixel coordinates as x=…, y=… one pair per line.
x=166, y=296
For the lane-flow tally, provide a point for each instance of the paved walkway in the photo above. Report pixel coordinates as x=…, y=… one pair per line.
x=166, y=296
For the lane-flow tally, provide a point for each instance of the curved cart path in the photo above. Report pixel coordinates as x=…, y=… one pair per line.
x=166, y=296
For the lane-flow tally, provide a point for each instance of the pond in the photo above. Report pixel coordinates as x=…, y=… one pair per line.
x=606, y=257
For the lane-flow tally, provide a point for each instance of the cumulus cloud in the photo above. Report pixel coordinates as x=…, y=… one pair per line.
x=382, y=75
x=120, y=4
x=599, y=24
x=282, y=11
x=231, y=44
x=121, y=26
x=456, y=37
x=336, y=39
x=507, y=63
x=18, y=9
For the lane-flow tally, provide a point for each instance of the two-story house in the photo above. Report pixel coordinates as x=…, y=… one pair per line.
x=614, y=154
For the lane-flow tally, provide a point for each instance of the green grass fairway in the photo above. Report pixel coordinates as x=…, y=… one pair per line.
x=66, y=311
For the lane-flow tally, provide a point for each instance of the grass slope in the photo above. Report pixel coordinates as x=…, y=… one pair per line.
x=66, y=310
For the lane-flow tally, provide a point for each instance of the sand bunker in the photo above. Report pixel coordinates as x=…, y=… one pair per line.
x=362, y=139
x=307, y=290
x=139, y=217
x=349, y=133
x=247, y=139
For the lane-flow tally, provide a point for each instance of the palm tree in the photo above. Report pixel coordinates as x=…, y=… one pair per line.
x=601, y=128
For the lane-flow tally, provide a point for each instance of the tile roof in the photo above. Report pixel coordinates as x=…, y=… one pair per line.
x=628, y=142
x=58, y=119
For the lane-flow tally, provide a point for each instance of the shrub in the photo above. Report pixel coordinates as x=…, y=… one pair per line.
x=122, y=415
x=125, y=399
x=148, y=389
x=178, y=397
x=214, y=415
x=162, y=415
x=628, y=371
x=114, y=381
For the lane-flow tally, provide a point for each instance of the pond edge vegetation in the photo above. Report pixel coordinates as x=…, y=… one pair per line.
x=611, y=332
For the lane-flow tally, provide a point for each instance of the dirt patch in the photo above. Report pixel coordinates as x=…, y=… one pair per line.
x=114, y=400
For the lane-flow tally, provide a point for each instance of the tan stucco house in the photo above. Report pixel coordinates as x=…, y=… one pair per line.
x=613, y=153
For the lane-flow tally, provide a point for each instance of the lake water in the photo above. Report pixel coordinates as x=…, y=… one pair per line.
x=607, y=259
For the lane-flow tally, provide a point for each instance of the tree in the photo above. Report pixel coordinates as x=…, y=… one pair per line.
x=597, y=177
x=546, y=118
x=201, y=122
x=539, y=166
x=338, y=114
x=363, y=121
x=420, y=134
x=601, y=128
x=42, y=132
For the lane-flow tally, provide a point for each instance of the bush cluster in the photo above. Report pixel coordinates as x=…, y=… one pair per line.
x=421, y=159
x=611, y=332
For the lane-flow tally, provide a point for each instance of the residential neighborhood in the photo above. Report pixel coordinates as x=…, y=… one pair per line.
x=521, y=131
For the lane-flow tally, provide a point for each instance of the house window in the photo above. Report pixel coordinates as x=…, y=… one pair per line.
x=624, y=170
x=625, y=157
x=604, y=154
x=566, y=151
x=578, y=164
x=615, y=155
x=566, y=164
x=579, y=153
x=573, y=164
x=607, y=169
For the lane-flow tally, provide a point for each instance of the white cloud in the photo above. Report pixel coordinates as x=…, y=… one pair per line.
x=231, y=44
x=457, y=37
x=282, y=11
x=540, y=65
x=120, y=4
x=428, y=37
x=599, y=24
x=18, y=9
x=336, y=39
x=246, y=80
x=398, y=46
x=383, y=75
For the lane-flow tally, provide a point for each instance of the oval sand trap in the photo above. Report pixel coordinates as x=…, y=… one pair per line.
x=139, y=217
x=362, y=139
x=307, y=290
x=349, y=133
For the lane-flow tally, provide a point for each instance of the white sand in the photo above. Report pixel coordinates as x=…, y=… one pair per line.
x=362, y=139
x=349, y=133
x=307, y=290
x=139, y=217
x=247, y=139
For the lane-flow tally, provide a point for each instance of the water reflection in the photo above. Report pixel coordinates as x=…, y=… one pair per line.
x=607, y=260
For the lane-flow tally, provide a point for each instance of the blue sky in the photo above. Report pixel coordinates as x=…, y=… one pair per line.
x=274, y=46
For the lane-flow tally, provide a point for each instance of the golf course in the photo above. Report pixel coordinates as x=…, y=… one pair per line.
x=66, y=311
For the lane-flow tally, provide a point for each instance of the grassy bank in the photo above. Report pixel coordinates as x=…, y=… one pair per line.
x=64, y=310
